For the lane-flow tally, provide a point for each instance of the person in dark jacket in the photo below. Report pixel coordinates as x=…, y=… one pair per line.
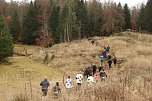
x=109, y=63
x=87, y=71
x=100, y=68
x=107, y=48
x=115, y=61
x=56, y=89
x=109, y=57
x=45, y=84
x=94, y=67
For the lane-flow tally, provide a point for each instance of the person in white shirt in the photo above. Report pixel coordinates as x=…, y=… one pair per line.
x=90, y=80
x=79, y=79
x=68, y=83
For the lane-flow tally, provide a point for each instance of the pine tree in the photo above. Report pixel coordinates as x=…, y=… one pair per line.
x=15, y=28
x=127, y=17
x=141, y=19
x=63, y=22
x=95, y=18
x=30, y=25
x=120, y=18
x=54, y=23
x=81, y=14
x=6, y=44
x=148, y=16
x=73, y=27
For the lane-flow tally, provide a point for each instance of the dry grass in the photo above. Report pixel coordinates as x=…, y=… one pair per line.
x=129, y=81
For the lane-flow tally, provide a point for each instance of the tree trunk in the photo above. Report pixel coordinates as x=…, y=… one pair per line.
x=121, y=27
x=68, y=39
x=61, y=37
x=64, y=34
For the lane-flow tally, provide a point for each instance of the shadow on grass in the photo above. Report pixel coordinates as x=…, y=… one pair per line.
x=5, y=62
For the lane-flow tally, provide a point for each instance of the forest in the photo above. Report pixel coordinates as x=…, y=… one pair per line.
x=48, y=22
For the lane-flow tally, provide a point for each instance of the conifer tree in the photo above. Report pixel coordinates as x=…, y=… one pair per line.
x=6, y=44
x=120, y=17
x=141, y=19
x=54, y=22
x=148, y=16
x=127, y=17
x=30, y=25
x=15, y=28
x=81, y=14
x=95, y=18
x=63, y=22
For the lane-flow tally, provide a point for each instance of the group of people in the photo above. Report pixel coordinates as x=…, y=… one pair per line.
x=45, y=85
x=56, y=89
x=91, y=78
x=90, y=72
x=92, y=41
x=106, y=56
x=79, y=79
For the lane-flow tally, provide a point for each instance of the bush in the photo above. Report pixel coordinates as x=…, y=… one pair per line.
x=20, y=98
x=46, y=57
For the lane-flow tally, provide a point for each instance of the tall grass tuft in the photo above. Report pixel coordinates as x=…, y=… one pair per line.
x=20, y=97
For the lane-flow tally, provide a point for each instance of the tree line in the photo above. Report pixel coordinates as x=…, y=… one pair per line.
x=47, y=22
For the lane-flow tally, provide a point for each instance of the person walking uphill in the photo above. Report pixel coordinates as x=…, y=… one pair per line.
x=100, y=68
x=102, y=59
x=90, y=80
x=96, y=78
x=68, y=83
x=103, y=74
x=94, y=67
x=107, y=48
x=45, y=84
x=115, y=61
x=109, y=63
x=79, y=79
x=56, y=89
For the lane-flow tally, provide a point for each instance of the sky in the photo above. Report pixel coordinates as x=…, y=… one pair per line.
x=129, y=2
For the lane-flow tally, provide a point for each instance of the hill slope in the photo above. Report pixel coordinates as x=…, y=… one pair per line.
x=130, y=80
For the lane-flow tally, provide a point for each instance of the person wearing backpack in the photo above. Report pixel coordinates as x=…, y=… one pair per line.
x=103, y=74
x=45, y=84
x=56, y=89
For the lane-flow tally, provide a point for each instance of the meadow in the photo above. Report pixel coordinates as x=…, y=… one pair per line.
x=130, y=80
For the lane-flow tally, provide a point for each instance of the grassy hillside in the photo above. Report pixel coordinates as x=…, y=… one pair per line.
x=130, y=80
